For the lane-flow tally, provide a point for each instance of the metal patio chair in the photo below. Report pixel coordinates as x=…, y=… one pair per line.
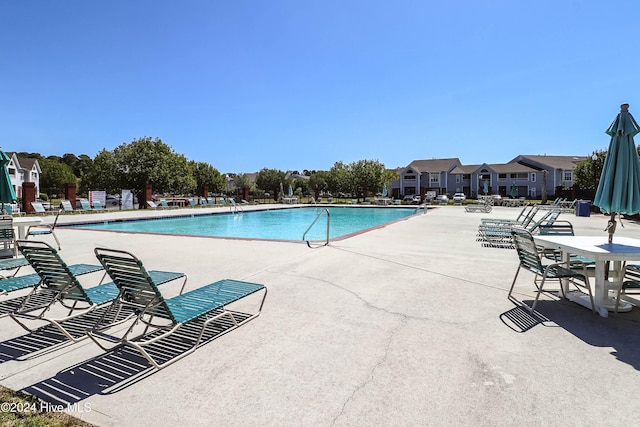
x=530, y=259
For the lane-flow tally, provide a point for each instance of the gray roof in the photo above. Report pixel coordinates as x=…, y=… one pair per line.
x=555, y=162
x=433, y=165
x=495, y=167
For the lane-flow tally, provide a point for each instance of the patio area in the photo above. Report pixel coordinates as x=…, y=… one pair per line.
x=408, y=324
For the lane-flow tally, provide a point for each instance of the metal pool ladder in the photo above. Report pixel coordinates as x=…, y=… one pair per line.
x=323, y=211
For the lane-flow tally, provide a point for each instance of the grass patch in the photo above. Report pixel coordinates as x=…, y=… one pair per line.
x=19, y=409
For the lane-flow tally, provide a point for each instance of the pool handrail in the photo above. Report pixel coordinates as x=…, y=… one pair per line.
x=314, y=222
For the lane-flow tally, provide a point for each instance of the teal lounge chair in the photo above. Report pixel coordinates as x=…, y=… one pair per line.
x=97, y=206
x=39, y=208
x=65, y=205
x=164, y=205
x=184, y=317
x=59, y=290
x=86, y=205
x=9, y=209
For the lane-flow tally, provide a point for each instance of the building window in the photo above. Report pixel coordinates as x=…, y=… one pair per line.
x=434, y=178
x=409, y=177
x=567, y=175
x=523, y=175
x=533, y=177
x=466, y=177
x=458, y=178
x=502, y=177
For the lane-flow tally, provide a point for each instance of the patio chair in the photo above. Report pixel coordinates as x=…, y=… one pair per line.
x=59, y=289
x=164, y=205
x=525, y=216
x=498, y=234
x=11, y=209
x=8, y=247
x=44, y=230
x=152, y=204
x=565, y=228
x=65, y=205
x=38, y=207
x=184, y=317
x=630, y=284
x=86, y=205
x=97, y=206
x=531, y=259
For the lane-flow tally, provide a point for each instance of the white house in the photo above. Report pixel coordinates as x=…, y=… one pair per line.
x=23, y=170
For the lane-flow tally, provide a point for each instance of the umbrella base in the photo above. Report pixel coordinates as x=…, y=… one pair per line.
x=602, y=309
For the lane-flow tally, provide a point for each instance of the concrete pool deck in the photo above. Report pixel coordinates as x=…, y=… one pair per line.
x=405, y=325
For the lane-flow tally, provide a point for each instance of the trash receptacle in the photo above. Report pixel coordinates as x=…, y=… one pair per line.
x=583, y=208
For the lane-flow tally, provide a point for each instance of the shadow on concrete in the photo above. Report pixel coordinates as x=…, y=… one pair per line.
x=121, y=367
x=618, y=332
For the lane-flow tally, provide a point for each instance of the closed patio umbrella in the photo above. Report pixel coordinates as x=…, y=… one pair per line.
x=290, y=191
x=7, y=194
x=619, y=188
x=384, y=190
x=514, y=191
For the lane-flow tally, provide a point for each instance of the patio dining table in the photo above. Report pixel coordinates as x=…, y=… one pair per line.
x=623, y=249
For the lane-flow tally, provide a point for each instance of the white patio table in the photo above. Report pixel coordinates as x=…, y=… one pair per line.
x=23, y=222
x=596, y=247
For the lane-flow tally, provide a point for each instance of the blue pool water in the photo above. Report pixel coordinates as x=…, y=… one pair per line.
x=278, y=224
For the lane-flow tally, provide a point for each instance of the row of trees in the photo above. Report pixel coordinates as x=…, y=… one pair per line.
x=150, y=161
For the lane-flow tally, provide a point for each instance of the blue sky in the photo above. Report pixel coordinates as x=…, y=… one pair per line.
x=299, y=84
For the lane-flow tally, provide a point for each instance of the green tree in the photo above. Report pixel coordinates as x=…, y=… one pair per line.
x=270, y=180
x=318, y=182
x=55, y=175
x=70, y=160
x=301, y=186
x=150, y=161
x=367, y=176
x=587, y=172
x=340, y=178
x=206, y=175
x=243, y=184
x=101, y=175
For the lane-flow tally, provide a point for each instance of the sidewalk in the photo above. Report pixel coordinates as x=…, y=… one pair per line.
x=402, y=326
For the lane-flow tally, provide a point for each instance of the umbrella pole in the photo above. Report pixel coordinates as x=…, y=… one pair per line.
x=611, y=228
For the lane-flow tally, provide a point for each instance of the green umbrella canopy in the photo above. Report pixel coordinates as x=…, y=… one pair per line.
x=619, y=188
x=7, y=194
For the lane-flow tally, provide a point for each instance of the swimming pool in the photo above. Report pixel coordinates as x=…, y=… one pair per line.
x=274, y=224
